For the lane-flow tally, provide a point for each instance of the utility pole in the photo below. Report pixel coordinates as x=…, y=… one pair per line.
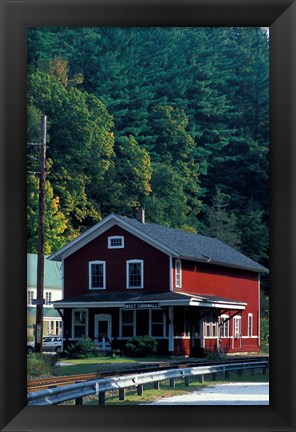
x=40, y=255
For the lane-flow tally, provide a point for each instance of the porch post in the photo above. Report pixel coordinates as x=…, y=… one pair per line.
x=171, y=329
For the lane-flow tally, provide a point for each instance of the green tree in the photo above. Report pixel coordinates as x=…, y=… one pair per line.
x=55, y=221
x=221, y=223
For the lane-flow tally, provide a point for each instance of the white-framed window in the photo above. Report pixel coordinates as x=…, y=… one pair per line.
x=208, y=325
x=47, y=297
x=211, y=325
x=55, y=327
x=224, y=326
x=214, y=326
x=237, y=326
x=250, y=325
x=157, y=323
x=30, y=296
x=116, y=242
x=97, y=275
x=79, y=323
x=135, y=274
x=178, y=277
x=127, y=326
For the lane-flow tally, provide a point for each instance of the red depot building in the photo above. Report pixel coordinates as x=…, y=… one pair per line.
x=193, y=294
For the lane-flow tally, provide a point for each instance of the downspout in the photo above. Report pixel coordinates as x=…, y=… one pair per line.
x=259, y=306
x=171, y=273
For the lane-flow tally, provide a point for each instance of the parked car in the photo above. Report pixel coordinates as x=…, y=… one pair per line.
x=49, y=343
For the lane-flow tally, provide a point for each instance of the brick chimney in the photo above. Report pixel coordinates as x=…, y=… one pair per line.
x=138, y=213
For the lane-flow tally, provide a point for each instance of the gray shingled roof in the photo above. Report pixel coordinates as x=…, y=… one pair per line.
x=126, y=297
x=195, y=246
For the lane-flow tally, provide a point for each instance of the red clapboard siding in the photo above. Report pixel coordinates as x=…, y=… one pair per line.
x=156, y=264
x=225, y=282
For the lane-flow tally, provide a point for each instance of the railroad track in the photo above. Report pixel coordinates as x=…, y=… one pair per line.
x=45, y=383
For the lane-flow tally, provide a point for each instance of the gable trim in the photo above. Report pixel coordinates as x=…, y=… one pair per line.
x=100, y=228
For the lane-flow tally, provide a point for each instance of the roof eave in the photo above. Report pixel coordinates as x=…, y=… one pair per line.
x=223, y=264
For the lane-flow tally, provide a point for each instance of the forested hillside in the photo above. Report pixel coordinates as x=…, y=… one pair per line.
x=174, y=119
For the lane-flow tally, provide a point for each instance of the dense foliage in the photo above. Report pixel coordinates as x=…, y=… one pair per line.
x=141, y=346
x=84, y=348
x=174, y=119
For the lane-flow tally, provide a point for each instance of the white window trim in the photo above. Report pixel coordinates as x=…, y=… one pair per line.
x=48, y=298
x=211, y=324
x=238, y=334
x=250, y=315
x=120, y=323
x=163, y=325
x=30, y=297
x=178, y=268
x=90, y=274
x=222, y=318
x=115, y=247
x=73, y=324
x=134, y=261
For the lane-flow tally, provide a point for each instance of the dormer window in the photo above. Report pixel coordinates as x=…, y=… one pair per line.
x=115, y=242
x=178, y=274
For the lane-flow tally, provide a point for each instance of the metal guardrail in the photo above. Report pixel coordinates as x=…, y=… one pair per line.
x=58, y=395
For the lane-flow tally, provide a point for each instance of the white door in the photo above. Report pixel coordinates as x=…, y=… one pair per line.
x=103, y=331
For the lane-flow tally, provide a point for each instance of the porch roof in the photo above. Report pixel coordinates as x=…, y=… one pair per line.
x=144, y=299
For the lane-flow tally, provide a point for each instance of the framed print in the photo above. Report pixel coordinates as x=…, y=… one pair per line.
x=16, y=17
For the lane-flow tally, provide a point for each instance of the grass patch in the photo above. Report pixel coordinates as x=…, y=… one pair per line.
x=101, y=364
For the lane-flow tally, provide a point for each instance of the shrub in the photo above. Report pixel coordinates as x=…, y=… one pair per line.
x=39, y=365
x=141, y=346
x=84, y=348
x=264, y=335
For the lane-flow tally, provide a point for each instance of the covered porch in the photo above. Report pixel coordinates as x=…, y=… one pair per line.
x=183, y=324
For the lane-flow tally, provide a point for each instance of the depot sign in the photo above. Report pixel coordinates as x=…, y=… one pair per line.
x=141, y=306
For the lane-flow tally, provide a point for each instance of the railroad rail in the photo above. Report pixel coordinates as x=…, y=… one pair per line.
x=58, y=395
x=57, y=381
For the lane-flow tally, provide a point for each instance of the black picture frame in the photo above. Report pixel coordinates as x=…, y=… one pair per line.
x=16, y=16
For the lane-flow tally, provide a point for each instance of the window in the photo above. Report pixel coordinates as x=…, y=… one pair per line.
x=208, y=325
x=250, y=325
x=127, y=323
x=178, y=281
x=79, y=321
x=30, y=295
x=214, y=326
x=237, y=327
x=224, y=326
x=97, y=275
x=116, y=242
x=134, y=274
x=157, y=323
x=211, y=325
x=47, y=297
x=55, y=327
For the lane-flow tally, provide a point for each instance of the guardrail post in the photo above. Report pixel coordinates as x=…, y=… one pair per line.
x=156, y=385
x=102, y=398
x=226, y=375
x=187, y=381
x=122, y=394
x=140, y=389
x=172, y=383
x=79, y=401
x=201, y=378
